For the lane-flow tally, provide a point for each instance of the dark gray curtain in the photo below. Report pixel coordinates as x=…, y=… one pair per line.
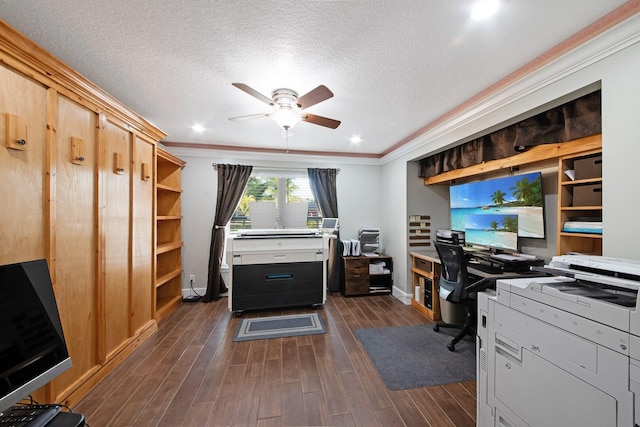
x=232, y=180
x=573, y=120
x=323, y=186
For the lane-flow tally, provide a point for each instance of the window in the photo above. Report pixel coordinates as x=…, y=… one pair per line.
x=276, y=199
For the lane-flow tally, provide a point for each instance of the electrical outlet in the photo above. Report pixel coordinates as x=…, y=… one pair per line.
x=192, y=277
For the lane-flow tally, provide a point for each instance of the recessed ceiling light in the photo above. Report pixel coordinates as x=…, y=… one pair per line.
x=484, y=9
x=355, y=139
x=197, y=128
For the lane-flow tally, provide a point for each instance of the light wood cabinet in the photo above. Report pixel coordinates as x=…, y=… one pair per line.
x=77, y=189
x=76, y=242
x=168, y=280
x=573, y=205
x=425, y=273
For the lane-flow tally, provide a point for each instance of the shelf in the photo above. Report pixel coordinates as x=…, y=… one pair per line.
x=379, y=291
x=167, y=277
x=582, y=181
x=167, y=247
x=164, y=305
x=587, y=235
x=581, y=208
x=168, y=217
x=168, y=188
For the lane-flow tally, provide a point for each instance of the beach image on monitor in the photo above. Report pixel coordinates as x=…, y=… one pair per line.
x=494, y=230
x=519, y=195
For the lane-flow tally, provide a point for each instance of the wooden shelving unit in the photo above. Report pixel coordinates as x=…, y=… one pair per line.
x=571, y=209
x=425, y=272
x=168, y=277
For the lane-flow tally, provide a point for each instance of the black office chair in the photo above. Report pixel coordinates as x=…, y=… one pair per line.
x=457, y=293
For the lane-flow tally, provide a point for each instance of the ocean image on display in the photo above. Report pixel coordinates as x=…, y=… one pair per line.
x=519, y=195
x=495, y=230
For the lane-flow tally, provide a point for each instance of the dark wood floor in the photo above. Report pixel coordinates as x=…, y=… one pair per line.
x=190, y=373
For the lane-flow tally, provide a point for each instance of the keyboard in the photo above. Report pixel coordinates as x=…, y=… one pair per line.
x=28, y=415
x=486, y=268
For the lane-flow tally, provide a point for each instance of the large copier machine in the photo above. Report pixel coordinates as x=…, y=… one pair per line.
x=277, y=268
x=562, y=350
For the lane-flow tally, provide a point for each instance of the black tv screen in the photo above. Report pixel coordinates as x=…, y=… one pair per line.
x=519, y=195
x=33, y=350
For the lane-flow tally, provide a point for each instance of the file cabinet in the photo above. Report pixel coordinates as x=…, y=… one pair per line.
x=358, y=279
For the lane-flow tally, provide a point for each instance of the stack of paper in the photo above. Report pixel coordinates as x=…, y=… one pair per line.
x=593, y=227
x=377, y=267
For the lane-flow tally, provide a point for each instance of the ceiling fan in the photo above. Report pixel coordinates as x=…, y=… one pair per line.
x=288, y=106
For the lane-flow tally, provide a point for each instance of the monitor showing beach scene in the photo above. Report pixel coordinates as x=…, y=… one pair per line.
x=519, y=195
x=492, y=230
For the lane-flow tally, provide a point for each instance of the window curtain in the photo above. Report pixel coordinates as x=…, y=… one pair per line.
x=323, y=187
x=232, y=180
x=573, y=120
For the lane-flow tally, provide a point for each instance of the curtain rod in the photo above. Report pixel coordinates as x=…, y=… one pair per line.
x=274, y=168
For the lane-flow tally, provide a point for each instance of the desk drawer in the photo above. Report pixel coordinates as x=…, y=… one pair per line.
x=356, y=285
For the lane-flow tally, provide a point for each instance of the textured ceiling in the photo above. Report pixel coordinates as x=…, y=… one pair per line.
x=394, y=66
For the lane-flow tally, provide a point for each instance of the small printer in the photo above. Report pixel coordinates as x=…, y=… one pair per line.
x=450, y=236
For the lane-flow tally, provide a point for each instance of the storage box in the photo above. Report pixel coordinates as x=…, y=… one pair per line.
x=423, y=265
x=591, y=167
x=587, y=195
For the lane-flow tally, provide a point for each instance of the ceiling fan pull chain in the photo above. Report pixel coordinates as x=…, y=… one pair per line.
x=286, y=129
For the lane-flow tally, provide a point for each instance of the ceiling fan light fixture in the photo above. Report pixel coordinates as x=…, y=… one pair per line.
x=286, y=117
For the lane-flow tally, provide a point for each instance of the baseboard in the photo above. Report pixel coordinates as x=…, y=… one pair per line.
x=402, y=296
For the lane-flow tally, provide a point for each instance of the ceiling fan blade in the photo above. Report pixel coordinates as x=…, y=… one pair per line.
x=251, y=91
x=249, y=117
x=319, y=120
x=319, y=94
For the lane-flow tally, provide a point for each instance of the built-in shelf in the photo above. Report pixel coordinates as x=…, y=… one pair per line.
x=579, y=209
x=168, y=284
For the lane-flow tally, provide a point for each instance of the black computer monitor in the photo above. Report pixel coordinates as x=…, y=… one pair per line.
x=33, y=350
x=519, y=195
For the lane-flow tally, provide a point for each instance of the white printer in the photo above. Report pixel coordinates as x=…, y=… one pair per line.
x=277, y=268
x=561, y=350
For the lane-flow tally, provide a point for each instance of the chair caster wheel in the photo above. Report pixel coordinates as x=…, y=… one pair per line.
x=451, y=347
x=436, y=328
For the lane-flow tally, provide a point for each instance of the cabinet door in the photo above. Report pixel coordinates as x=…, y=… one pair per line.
x=22, y=217
x=142, y=234
x=116, y=227
x=75, y=239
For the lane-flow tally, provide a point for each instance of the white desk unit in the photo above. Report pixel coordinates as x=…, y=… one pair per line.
x=277, y=268
x=562, y=350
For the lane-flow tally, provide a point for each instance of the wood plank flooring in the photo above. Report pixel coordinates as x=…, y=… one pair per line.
x=190, y=373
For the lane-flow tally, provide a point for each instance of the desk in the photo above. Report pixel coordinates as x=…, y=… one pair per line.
x=425, y=272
